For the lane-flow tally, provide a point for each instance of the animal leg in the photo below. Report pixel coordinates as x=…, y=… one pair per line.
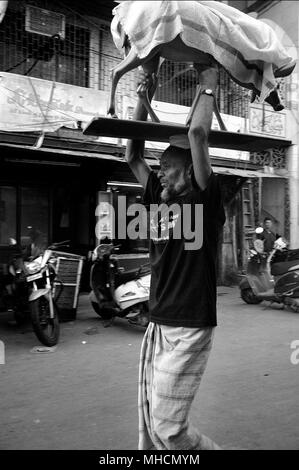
x=129, y=63
x=273, y=99
x=150, y=69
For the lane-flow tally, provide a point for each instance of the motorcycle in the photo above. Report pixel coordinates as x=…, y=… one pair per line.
x=30, y=292
x=115, y=292
x=271, y=277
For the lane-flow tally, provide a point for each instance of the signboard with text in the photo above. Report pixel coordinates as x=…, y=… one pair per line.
x=264, y=120
x=30, y=104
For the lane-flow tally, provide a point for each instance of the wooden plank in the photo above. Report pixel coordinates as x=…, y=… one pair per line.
x=161, y=132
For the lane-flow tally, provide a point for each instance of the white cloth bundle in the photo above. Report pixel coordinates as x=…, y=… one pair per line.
x=247, y=48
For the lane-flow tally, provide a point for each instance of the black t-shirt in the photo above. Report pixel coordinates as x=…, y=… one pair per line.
x=269, y=238
x=183, y=281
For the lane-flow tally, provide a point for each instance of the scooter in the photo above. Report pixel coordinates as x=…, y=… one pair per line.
x=118, y=293
x=267, y=279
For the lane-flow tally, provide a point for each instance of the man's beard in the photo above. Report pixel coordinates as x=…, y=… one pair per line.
x=170, y=192
x=165, y=195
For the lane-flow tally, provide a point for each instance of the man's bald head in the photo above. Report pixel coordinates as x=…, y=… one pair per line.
x=180, y=154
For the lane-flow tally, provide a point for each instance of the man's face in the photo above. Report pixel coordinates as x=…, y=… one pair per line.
x=173, y=176
x=268, y=224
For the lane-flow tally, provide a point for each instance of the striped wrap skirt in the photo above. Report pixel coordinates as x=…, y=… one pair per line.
x=172, y=362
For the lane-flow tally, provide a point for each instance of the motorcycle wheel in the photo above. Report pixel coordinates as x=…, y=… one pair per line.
x=103, y=313
x=249, y=297
x=45, y=328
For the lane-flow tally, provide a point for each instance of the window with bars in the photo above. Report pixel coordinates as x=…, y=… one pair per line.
x=178, y=81
x=42, y=56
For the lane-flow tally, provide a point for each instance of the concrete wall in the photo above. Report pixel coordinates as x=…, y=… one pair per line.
x=273, y=196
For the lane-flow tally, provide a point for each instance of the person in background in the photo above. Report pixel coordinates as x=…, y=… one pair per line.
x=37, y=244
x=268, y=236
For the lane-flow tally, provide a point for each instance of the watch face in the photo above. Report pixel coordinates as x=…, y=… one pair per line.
x=208, y=91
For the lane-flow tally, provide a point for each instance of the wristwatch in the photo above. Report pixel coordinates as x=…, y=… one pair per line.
x=208, y=92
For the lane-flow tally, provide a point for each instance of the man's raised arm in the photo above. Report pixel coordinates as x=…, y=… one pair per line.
x=201, y=121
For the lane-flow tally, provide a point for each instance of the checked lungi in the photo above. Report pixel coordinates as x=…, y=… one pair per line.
x=172, y=362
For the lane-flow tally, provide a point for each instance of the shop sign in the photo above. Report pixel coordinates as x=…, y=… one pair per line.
x=264, y=120
x=31, y=104
x=104, y=216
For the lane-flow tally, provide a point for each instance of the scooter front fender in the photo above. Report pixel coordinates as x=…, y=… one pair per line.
x=244, y=284
x=92, y=297
x=36, y=294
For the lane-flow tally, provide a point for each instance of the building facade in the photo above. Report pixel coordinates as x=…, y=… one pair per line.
x=55, y=62
x=283, y=17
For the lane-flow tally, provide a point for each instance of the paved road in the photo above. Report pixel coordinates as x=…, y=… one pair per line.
x=83, y=395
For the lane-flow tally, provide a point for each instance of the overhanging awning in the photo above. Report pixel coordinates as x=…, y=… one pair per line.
x=43, y=154
x=221, y=170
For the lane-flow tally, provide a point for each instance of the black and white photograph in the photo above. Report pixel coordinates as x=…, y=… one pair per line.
x=149, y=230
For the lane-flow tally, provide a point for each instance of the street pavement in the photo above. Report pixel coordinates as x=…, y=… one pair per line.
x=83, y=394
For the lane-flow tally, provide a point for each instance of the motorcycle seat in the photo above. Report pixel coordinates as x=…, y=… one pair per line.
x=127, y=276
x=286, y=255
x=277, y=269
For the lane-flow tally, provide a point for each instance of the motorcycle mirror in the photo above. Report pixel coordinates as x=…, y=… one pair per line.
x=280, y=243
x=259, y=230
